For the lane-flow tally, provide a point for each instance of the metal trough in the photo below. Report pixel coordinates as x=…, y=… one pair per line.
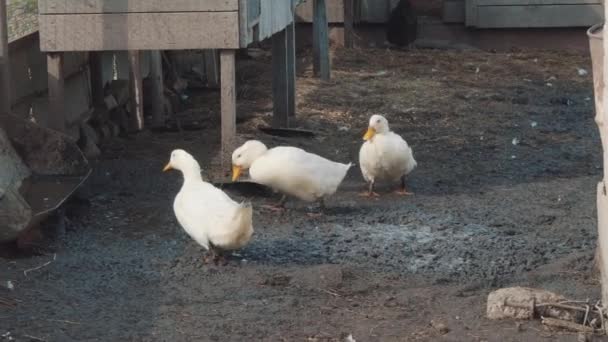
x=41, y=169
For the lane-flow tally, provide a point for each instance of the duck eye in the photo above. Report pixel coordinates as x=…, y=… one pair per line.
x=378, y=121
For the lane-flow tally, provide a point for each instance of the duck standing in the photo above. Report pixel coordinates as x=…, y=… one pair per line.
x=384, y=156
x=289, y=170
x=206, y=213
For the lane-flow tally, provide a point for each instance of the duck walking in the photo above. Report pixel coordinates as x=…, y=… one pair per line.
x=384, y=156
x=206, y=213
x=289, y=170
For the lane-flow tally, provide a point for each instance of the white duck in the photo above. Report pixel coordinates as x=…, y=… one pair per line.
x=206, y=213
x=384, y=156
x=289, y=170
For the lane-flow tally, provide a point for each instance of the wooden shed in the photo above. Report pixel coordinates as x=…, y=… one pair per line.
x=135, y=25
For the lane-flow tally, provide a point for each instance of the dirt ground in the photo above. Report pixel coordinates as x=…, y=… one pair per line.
x=508, y=160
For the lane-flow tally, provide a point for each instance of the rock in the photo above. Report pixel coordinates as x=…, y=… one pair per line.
x=440, y=327
x=15, y=213
x=519, y=303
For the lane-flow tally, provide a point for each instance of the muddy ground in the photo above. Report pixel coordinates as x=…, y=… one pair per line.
x=508, y=157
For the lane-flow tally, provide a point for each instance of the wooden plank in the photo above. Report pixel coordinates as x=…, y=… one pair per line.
x=321, y=65
x=228, y=75
x=134, y=6
x=158, y=89
x=283, y=77
x=290, y=33
x=243, y=25
x=335, y=11
x=538, y=16
x=5, y=80
x=536, y=2
x=135, y=87
x=212, y=68
x=471, y=13
x=96, y=74
x=349, y=30
x=139, y=31
x=453, y=11
x=56, y=83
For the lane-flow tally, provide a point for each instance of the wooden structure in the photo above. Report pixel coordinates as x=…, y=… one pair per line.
x=224, y=25
x=523, y=13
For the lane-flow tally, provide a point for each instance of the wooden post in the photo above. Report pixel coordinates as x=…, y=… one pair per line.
x=158, y=88
x=135, y=86
x=602, y=198
x=212, y=70
x=96, y=72
x=283, y=77
x=56, y=84
x=320, y=40
x=349, y=30
x=5, y=93
x=290, y=33
x=228, y=83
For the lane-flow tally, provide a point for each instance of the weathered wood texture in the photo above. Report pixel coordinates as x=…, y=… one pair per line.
x=228, y=80
x=139, y=31
x=135, y=86
x=349, y=19
x=5, y=98
x=56, y=84
x=335, y=11
x=96, y=75
x=321, y=64
x=158, y=89
x=130, y=6
x=601, y=119
x=211, y=61
x=283, y=77
x=527, y=14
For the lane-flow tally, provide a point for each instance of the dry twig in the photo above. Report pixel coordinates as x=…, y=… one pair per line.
x=560, y=323
x=41, y=266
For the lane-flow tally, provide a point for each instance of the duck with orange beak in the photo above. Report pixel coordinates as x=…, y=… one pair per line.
x=206, y=213
x=384, y=156
x=289, y=170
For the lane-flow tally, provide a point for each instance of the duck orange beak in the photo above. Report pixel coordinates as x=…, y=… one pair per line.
x=369, y=134
x=236, y=172
x=167, y=167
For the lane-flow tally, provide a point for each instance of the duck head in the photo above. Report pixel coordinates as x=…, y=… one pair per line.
x=244, y=156
x=377, y=125
x=184, y=162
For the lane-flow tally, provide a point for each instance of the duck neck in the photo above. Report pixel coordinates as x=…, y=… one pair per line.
x=192, y=174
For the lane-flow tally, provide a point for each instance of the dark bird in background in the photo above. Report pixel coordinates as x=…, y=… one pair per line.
x=402, y=25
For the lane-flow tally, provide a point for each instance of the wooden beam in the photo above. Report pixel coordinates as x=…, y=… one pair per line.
x=96, y=74
x=56, y=84
x=228, y=80
x=135, y=87
x=321, y=65
x=601, y=118
x=139, y=31
x=137, y=6
x=212, y=68
x=290, y=51
x=5, y=93
x=158, y=89
x=280, y=116
x=349, y=30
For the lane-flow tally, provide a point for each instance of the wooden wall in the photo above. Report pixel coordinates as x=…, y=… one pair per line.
x=29, y=96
